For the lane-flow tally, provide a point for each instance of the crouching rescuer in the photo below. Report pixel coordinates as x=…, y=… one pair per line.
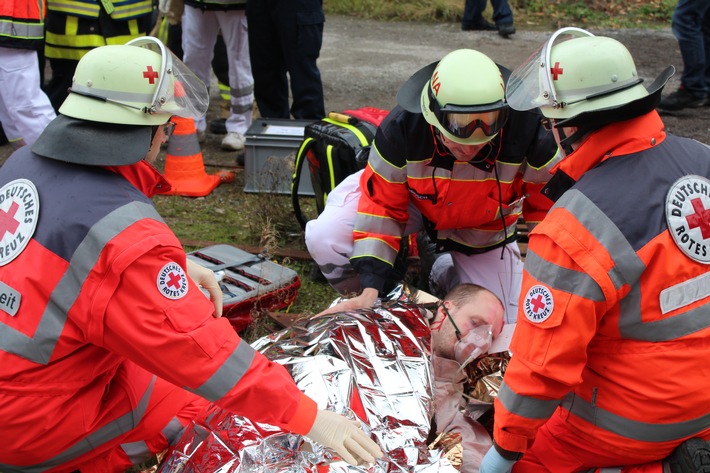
x=108, y=347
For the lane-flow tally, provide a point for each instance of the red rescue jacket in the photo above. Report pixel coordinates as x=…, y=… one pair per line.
x=101, y=282
x=613, y=332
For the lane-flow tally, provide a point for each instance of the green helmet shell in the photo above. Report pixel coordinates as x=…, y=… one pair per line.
x=139, y=83
x=592, y=73
x=575, y=72
x=467, y=78
x=120, y=73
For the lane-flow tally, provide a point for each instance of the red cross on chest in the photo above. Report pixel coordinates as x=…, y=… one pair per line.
x=700, y=219
x=556, y=71
x=150, y=74
x=8, y=223
x=537, y=303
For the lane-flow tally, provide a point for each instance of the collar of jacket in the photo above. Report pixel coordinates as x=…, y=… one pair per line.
x=144, y=177
x=636, y=135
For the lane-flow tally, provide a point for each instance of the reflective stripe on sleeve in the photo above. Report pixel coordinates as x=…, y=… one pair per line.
x=38, y=348
x=563, y=279
x=526, y=406
x=374, y=248
x=228, y=375
x=642, y=431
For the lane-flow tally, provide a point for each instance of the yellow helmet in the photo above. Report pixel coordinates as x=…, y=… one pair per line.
x=463, y=97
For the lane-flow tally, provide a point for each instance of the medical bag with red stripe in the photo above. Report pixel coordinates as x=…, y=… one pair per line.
x=334, y=148
x=249, y=282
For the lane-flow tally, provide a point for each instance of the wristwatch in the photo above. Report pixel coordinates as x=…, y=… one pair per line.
x=507, y=454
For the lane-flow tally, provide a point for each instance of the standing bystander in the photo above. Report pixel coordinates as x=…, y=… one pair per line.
x=201, y=22
x=24, y=109
x=502, y=16
x=75, y=27
x=285, y=37
x=691, y=26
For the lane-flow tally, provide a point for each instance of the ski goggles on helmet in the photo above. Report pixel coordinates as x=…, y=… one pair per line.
x=463, y=120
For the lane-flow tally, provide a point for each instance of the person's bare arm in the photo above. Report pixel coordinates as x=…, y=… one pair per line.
x=365, y=300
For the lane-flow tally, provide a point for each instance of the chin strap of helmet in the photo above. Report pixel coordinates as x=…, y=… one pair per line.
x=567, y=141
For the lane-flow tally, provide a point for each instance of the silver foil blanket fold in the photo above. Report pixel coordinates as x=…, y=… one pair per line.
x=371, y=365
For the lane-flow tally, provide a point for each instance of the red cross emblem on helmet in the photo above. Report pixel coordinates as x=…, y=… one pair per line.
x=556, y=71
x=150, y=74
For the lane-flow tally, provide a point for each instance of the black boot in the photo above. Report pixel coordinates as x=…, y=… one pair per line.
x=681, y=99
x=692, y=456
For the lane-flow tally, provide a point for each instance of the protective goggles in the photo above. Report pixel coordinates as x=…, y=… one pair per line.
x=463, y=120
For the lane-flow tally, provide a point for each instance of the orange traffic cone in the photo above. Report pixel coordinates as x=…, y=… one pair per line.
x=184, y=167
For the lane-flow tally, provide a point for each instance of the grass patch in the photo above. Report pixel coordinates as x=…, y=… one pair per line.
x=266, y=222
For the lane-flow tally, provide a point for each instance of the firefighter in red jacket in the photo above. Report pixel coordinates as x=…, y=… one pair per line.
x=609, y=358
x=450, y=159
x=108, y=347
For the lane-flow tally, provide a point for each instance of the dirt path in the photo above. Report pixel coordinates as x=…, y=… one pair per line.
x=364, y=62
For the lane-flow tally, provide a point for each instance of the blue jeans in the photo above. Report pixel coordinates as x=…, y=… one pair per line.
x=473, y=12
x=691, y=26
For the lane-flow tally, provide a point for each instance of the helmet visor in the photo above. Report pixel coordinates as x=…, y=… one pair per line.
x=180, y=92
x=463, y=121
x=531, y=85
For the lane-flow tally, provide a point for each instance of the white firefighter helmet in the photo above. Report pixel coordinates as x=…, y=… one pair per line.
x=463, y=96
x=578, y=74
x=139, y=83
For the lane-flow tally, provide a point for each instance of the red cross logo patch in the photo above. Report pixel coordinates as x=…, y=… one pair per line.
x=688, y=216
x=19, y=213
x=538, y=304
x=150, y=74
x=172, y=281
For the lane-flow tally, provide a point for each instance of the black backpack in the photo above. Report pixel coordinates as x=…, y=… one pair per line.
x=334, y=148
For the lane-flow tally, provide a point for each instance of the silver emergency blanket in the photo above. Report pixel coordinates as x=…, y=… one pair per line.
x=371, y=365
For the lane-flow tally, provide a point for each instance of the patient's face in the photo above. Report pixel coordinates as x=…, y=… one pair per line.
x=484, y=309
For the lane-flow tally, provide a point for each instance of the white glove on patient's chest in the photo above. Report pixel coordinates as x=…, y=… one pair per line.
x=345, y=437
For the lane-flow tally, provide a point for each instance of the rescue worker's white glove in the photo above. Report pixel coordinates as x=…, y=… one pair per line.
x=205, y=278
x=493, y=462
x=345, y=437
